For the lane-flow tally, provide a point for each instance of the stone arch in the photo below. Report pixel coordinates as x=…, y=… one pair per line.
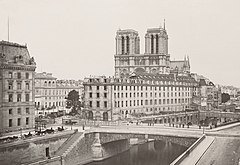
x=90, y=115
x=105, y=116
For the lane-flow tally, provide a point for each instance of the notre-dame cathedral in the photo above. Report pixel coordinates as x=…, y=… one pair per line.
x=155, y=60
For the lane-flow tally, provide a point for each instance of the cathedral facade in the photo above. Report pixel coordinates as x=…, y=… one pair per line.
x=155, y=60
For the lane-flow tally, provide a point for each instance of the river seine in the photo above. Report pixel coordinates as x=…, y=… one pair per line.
x=151, y=153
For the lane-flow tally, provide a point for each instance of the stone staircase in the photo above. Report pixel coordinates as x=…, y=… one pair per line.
x=68, y=144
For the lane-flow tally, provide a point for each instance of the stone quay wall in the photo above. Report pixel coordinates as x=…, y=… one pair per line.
x=30, y=150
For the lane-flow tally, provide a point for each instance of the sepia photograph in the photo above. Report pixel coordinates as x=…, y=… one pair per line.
x=119, y=82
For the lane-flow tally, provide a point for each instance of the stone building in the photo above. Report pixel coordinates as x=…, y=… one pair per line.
x=148, y=83
x=50, y=93
x=17, y=71
x=210, y=95
x=114, y=98
x=156, y=58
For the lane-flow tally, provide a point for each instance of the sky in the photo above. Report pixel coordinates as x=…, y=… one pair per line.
x=74, y=39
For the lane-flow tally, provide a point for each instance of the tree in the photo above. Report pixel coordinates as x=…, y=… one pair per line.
x=73, y=102
x=225, y=97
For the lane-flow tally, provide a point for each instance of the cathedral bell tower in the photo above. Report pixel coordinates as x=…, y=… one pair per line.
x=127, y=45
x=156, y=41
x=127, y=42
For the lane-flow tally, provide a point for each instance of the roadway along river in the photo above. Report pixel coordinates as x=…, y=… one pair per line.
x=151, y=153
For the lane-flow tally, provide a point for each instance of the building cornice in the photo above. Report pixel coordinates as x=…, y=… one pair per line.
x=18, y=67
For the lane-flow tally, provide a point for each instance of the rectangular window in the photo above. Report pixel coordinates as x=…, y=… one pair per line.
x=27, y=97
x=10, y=112
x=10, y=85
x=10, y=75
x=90, y=104
x=105, y=88
x=97, y=87
x=19, y=75
x=27, y=86
x=27, y=120
x=105, y=95
x=90, y=88
x=146, y=102
x=98, y=104
x=19, y=97
x=27, y=75
x=10, y=122
x=19, y=111
x=18, y=121
x=98, y=95
x=27, y=111
x=10, y=98
x=90, y=95
x=105, y=104
x=19, y=85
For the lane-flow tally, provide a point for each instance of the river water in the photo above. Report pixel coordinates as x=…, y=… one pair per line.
x=151, y=153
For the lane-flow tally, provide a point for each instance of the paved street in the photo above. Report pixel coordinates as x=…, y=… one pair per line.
x=223, y=151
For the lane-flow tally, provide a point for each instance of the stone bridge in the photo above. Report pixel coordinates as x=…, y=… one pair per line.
x=101, y=143
x=104, y=141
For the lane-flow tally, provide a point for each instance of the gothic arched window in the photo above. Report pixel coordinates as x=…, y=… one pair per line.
x=123, y=45
x=128, y=45
x=156, y=44
x=152, y=44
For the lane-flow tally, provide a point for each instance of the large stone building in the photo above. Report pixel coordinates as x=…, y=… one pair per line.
x=114, y=98
x=17, y=70
x=146, y=83
x=156, y=58
x=50, y=93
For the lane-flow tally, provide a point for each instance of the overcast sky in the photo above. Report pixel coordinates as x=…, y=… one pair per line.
x=76, y=38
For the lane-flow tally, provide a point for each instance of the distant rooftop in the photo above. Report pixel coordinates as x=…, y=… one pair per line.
x=7, y=43
x=44, y=75
x=125, y=31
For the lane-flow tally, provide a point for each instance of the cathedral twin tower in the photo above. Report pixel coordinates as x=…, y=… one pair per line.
x=128, y=59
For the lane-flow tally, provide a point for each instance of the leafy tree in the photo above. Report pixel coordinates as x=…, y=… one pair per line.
x=73, y=102
x=225, y=97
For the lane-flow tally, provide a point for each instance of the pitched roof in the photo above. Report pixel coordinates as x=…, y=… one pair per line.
x=11, y=51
